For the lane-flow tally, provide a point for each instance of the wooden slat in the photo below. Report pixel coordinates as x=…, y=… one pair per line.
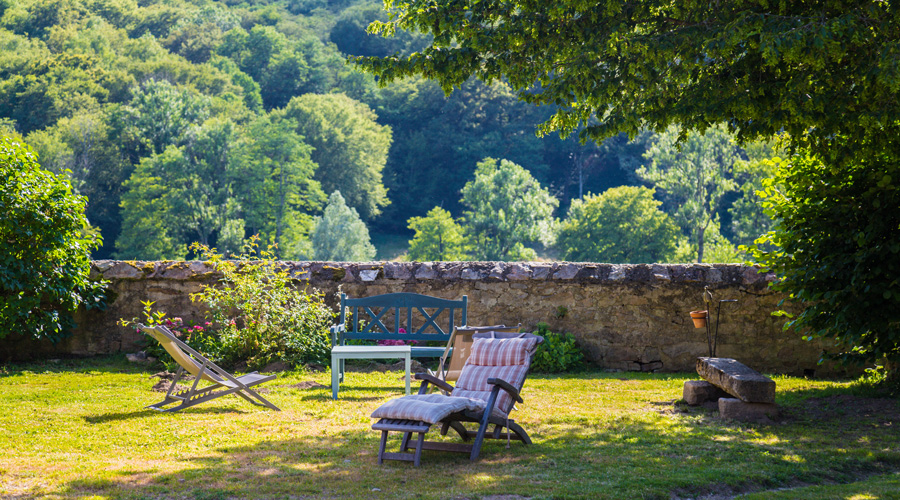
x=441, y=446
x=401, y=425
x=408, y=457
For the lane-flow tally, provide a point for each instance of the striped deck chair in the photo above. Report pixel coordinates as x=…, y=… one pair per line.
x=191, y=361
x=460, y=345
x=485, y=393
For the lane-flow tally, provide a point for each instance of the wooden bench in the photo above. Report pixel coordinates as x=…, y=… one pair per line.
x=382, y=317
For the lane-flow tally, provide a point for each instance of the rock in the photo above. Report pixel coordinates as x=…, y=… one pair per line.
x=735, y=409
x=425, y=272
x=737, y=379
x=470, y=274
x=697, y=392
x=566, y=272
x=368, y=274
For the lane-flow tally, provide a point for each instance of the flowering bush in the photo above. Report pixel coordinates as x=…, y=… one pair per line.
x=397, y=341
x=259, y=316
x=199, y=336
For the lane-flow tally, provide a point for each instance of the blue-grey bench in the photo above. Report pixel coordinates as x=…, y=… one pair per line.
x=381, y=317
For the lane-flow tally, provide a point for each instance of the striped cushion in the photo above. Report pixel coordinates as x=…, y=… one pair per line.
x=431, y=408
x=502, y=352
x=506, y=359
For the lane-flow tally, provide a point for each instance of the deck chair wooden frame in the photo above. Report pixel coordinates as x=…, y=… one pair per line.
x=484, y=418
x=191, y=361
x=460, y=345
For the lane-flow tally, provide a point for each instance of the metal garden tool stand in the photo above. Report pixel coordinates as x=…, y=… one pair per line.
x=712, y=340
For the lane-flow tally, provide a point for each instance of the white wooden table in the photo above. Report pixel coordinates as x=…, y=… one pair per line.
x=342, y=352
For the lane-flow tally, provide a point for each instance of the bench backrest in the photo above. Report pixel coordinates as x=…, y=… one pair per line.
x=422, y=317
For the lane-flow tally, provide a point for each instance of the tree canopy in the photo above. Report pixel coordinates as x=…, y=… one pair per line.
x=438, y=237
x=760, y=67
x=339, y=234
x=622, y=225
x=696, y=175
x=507, y=208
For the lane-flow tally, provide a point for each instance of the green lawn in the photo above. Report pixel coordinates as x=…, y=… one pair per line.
x=79, y=430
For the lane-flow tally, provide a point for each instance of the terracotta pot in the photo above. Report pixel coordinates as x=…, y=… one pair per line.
x=699, y=318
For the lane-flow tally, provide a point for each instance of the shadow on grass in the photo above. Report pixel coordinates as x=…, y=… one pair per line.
x=148, y=412
x=114, y=363
x=625, y=456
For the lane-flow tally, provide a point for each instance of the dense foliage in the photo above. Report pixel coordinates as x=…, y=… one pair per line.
x=438, y=237
x=557, y=353
x=838, y=251
x=120, y=92
x=696, y=174
x=45, y=246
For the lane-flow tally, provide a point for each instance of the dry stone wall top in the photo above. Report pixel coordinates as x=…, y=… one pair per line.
x=624, y=316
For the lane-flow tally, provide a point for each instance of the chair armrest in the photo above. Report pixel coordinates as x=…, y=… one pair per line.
x=428, y=378
x=506, y=386
x=335, y=330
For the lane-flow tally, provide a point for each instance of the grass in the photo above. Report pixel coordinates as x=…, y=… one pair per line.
x=77, y=429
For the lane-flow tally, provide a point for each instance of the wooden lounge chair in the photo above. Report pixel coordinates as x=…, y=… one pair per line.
x=223, y=383
x=460, y=345
x=485, y=393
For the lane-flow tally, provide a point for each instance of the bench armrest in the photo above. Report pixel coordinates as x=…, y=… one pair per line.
x=506, y=386
x=336, y=330
x=428, y=378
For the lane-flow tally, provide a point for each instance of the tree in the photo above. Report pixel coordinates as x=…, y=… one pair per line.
x=160, y=114
x=44, y=253
x=275, y=186
x=350, y=147
x=83, y=148
x=622, y=225
x=696, y=174
x=184, y=195
x=507, y=208
x=438, y=237
x=837, y=239
x=340, y=234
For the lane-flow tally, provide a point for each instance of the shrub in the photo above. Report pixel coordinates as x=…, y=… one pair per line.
x=557, y=353
x=45, y=248
x=199, y=337
x=259, y=316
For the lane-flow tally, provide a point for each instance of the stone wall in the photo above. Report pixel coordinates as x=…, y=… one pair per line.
x=625, y=317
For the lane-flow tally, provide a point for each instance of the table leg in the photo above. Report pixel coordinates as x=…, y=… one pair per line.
x=408, y=363
x=335, y=363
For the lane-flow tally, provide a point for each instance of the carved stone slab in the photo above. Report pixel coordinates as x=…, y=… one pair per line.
x=737, y=379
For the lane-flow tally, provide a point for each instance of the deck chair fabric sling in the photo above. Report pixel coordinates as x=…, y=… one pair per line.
x=191, y=361
x=485, y=393
x=460, y=345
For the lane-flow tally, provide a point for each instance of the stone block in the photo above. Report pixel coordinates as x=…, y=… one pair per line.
x=425, y=272
x=735, y=409
x=737, y=379
x=697, y=392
